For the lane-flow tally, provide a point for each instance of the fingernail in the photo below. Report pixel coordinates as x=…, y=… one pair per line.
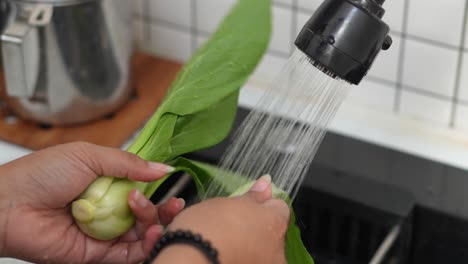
x=160, y=167
x=262, y=184
x=181, y=203
x=140, y=199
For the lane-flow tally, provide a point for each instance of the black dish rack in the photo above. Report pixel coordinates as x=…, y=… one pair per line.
x=348, y=219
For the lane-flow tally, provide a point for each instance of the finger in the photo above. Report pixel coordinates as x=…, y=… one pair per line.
x=117, y=163
x=261, y=190
x=169, y=210
x=280, y=207
x=130, y=236
x=134, y=252
x=145, y=212
x=152, y=236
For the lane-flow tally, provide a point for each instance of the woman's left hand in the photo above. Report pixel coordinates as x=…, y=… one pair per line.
x=35, y=196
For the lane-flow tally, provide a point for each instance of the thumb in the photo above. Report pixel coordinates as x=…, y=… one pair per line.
x=261, y=190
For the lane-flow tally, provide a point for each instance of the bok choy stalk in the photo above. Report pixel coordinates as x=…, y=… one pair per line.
x=197, y=112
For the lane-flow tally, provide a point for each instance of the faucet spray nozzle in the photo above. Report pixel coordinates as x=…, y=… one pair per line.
x=345, y=37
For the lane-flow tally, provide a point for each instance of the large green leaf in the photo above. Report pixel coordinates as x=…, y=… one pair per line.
x=211, y=123
x=211, y=78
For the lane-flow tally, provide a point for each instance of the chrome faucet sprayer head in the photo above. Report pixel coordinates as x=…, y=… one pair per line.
x=345, y=36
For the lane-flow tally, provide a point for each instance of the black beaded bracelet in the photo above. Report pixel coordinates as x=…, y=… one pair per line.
x=184, y=237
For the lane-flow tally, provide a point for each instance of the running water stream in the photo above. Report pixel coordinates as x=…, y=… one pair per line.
x=281, y=136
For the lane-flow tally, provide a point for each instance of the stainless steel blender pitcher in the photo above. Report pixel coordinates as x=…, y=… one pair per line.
x=4, y=8
x=67, y=61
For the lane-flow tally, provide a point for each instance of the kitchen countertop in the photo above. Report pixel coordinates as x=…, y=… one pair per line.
x=9, y=152
x=12, y=261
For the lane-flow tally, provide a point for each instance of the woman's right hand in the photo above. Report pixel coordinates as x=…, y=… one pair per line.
x=246, y=229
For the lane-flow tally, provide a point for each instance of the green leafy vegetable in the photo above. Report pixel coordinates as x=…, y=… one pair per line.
x=207, y=88
x=197, y=112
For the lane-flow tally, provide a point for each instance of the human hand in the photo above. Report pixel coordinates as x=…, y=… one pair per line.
x=246, y=229
x=35, y=195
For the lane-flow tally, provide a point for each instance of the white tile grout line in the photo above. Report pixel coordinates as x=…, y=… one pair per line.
x=147, y=36
x=461, y=55
x=294, y=21
x=401, y=59
x=193, y=25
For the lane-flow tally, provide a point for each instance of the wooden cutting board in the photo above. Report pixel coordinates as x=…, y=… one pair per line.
x=151, y=79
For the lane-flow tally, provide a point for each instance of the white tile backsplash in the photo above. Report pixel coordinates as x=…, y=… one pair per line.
x=374, y=95
x=170, y=43
x=461, y=117
x=211, y=12
x=386, y=65
x=430, y=68
x=174, y=11
x=425, y=108
x=394, y=14
x=310, y=4
x=463, y=90
x=466, y=34
x=201, y=40
x=281, y=35
x=138, y=8
x=283, y=2
x=138, y=27
x=302, y=19
x=269, y=66
x=436, y=20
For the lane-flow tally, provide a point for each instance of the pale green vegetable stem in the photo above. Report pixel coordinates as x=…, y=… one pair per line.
x=102, y=210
